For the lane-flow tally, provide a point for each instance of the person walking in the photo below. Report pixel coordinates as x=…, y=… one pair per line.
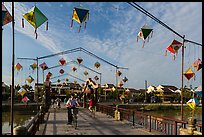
x=58, y=100
x=71, y=103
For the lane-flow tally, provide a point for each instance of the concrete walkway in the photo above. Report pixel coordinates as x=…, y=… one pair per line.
x=102, y=124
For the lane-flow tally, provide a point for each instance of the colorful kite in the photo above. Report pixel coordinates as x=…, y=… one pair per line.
x=125, y=79
x=66, y=79
x=79, y=60
x=173, y=48
x=75, y=82
x=49, y=74
x=96, y=78
x=6, y=16
x=43, y=66
x=36, y=18
x=198, y=91
x=61, y=71
x=192, y=103
x=97, y=65
x=33, y=66
x=25, y=99
x=58, y=80
x=144, y=33
x=29, y=79
x=62, y=61
x=86, y=73
x=18, y=66
x=80, y=15
x=189, y=73
x=197, y=64
x=118, y=73
x=22, y=91
x=120, y=84
x=74, y=69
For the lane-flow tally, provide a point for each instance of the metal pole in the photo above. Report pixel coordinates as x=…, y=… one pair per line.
x=13, y=55
x=116, y=80
x=37, y=94
x=145, y=91
x=182, y=70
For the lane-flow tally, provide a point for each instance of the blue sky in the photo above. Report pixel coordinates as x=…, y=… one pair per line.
x=110, y=34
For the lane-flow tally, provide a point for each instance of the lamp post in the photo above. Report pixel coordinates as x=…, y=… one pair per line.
x=13, y=55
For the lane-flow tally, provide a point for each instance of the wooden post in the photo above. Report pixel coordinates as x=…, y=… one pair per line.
x=182, y=70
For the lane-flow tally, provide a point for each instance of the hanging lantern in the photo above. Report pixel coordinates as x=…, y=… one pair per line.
x=197, y=64
x=29, y=79
x=80, y=15
x=33, y=66
x=118, y=73
x=62, y=61
x=36, y=18
x=6, y=16
x=79, y=60
x=173, y=48
x=86, y=73
x=120, y=84
x=97, y=65
x=74, y=69
x=61, y=71
x=125, y=79
x=189, y=73
x=43, y=66
x=18, y=66
x=144, y=33
x=96, y=78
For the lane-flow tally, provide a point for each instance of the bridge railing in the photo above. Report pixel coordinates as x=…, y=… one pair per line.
x=167, y=126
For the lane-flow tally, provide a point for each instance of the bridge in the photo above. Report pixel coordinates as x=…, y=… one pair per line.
x=101, y=124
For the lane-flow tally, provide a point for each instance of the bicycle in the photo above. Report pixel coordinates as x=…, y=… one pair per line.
x=74, y=112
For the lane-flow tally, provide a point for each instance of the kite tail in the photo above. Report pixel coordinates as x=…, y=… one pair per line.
x=72, y=23
x=143, y=44
x=47, y=26
x=85, y=25
x=165, y=53
x=137, y=38
x=148, y=39
x=79, y=29
x=151, y=34
x=22, y=22
x=36, y=35
x=194, y=78
x=174, y=57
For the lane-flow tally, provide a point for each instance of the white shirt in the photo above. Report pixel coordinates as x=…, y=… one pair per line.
x=71, y=102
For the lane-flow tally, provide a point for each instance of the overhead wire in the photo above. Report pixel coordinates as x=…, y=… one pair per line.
x=135, y=5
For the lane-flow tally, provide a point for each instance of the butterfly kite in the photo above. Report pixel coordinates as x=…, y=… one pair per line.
x=36, y=18
x=144, y=33
x=74, y=69
x=173, y=48
x=125, y=79
x=80, y=15
x=6, y=16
